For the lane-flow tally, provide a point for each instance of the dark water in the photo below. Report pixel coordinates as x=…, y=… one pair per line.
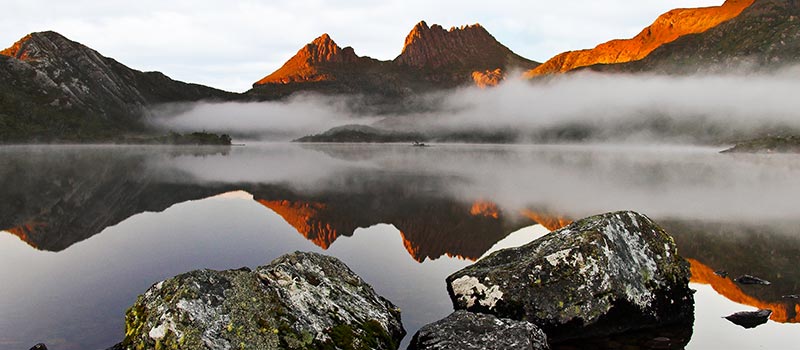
x=89, y=228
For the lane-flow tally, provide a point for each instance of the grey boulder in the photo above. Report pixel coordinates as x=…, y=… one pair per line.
x=464, y=330
x=601, y=275
x=298, y=301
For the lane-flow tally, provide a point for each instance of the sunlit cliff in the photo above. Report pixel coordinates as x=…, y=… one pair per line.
x=667, y=28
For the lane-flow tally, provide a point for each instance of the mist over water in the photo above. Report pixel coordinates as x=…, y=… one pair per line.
x=681, y=182
x=705, y=109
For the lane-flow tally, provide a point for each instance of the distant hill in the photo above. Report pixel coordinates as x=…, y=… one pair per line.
x=432, y=58
x=55, y=89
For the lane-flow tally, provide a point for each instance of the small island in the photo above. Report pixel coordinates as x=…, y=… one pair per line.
x=174, y=138
x=767, y=144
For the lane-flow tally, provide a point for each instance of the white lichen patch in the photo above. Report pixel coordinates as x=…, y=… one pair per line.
x=470, y=290
x=637, y=267
x=558, y=256
x=158, y=333
x=210, y=320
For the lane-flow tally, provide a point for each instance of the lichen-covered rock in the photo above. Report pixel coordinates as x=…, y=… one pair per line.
x=298, y=301
x=601, y=275
x=464, y=330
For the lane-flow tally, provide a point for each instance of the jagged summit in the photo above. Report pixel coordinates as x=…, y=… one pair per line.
x=667, y=28
x=305, y=65
x=468, y=46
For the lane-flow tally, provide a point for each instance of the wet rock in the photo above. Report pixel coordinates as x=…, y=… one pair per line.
x=39, y=346
x=298, y=301
x=602, y=275
x=750, y=319
x=791, y=296
x=464, y=330
x=747, y=279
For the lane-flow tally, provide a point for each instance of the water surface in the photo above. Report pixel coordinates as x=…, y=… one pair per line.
x=88, y=228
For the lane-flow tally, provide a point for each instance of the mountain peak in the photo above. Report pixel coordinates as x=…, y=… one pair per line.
x=32, y=45
x=305, y=65
x=466, y=46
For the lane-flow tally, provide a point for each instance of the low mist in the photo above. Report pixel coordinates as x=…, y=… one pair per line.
x=700, y=109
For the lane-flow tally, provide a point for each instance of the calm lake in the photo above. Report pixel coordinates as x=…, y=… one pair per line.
x=85, y=229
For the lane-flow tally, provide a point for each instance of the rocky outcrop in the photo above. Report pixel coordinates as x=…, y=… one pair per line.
x=600, y=275
x=464, y=330
x=667, y=28
x=488, y=78
x=53, y=87
x=298, y=301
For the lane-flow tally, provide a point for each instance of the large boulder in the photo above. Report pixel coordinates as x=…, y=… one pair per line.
x=464, y=330
x=298, y=301
x=601, y=275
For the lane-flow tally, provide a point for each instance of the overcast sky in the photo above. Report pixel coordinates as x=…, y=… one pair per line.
x=231, y=44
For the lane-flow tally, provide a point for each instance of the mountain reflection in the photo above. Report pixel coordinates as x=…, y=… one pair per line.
x=56, y=197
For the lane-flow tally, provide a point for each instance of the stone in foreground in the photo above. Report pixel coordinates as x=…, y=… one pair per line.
x=747, y=279
x=298, y=301
x=464, y=330
x=601, y=275
x=750, y=319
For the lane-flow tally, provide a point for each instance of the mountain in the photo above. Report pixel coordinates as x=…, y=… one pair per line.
x=52, y=88
x=432, y=58
x=455, y=54
x=765, y=35
x=667, y=28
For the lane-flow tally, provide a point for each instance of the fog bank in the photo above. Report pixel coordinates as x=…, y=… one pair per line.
x=573, y=107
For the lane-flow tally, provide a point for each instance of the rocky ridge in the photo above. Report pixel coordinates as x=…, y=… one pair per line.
x=666, y=28
x=763, y=37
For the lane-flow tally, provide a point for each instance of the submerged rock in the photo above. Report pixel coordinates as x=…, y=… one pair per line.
x=750, y=319
x=601, y=275
x=298, y=301
x=39, y=346
x=464, y=330
x=747, y=279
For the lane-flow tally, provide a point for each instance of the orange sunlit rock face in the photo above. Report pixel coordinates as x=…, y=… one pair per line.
x=24, y=232
x=303, y=216
x=485, y=208
x=665, y=29
x=549, y=221
x=16, y=50
x=784, y=312
x=488, y=78
x=305, y=65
